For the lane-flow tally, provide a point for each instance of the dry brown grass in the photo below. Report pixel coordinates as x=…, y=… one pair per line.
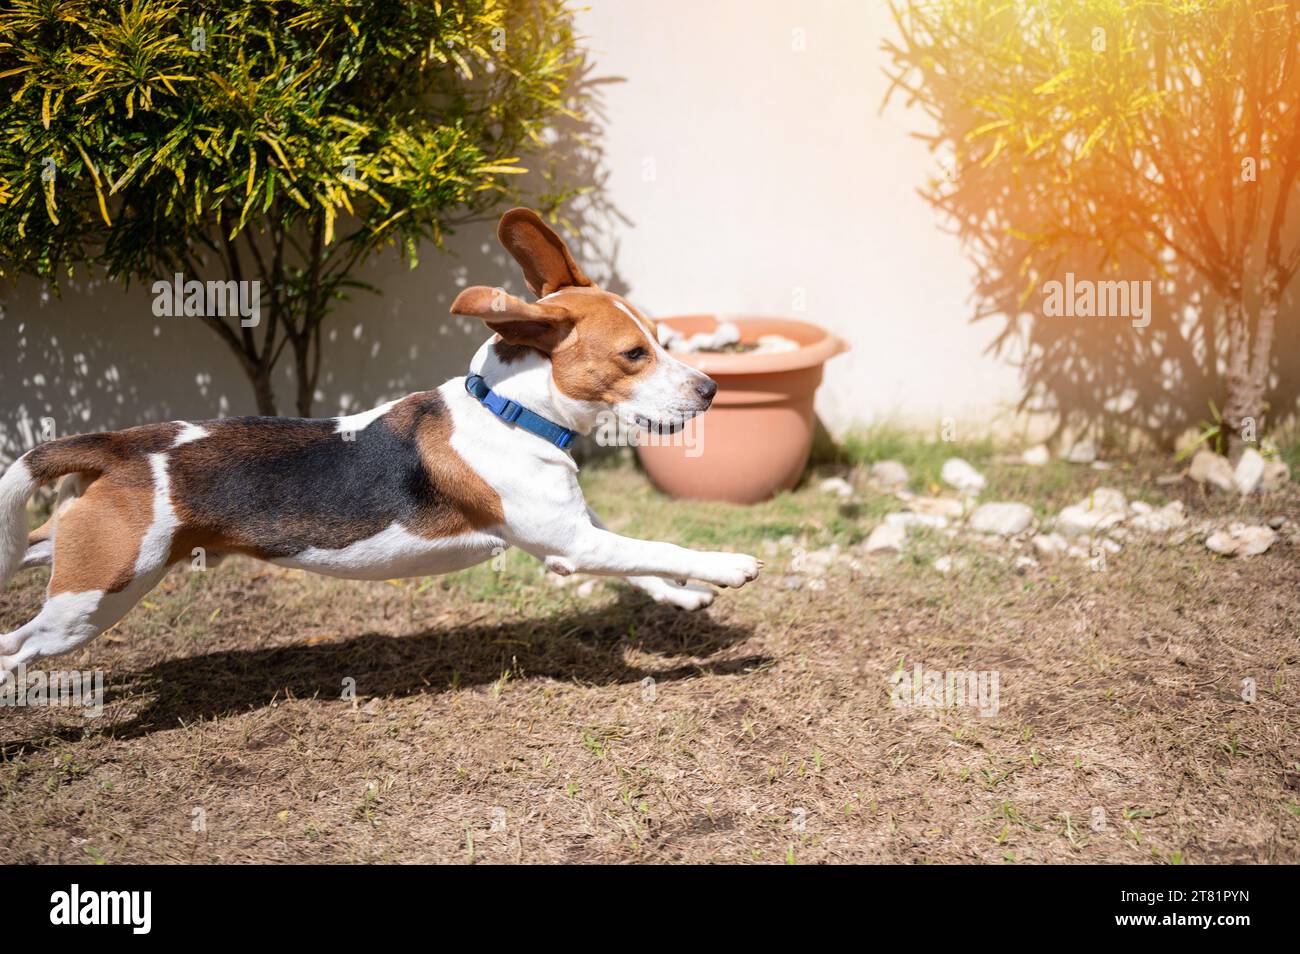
x=499, y=718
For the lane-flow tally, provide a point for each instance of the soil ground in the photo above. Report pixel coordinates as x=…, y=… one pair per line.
x=499, y=717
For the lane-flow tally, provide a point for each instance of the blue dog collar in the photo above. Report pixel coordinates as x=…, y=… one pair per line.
x=517, y=414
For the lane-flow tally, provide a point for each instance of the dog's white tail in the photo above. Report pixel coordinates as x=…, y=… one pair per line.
x=16, y=488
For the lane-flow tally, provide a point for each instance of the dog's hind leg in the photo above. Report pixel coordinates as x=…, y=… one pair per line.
x=71, y=617
x=65, y=622
x=40, y=553
x=40, y=542
x=111, y=547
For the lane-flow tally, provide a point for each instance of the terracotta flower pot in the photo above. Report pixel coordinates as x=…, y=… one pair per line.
x=755, y=439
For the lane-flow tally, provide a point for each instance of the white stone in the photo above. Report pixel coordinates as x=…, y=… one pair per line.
x=1249, y=471
x=886, y=538
x=1108, y=499
x=1024, y=562
x=957, y=473
x=821, y=559
x=1105, y=508
x=836, y=485
x=775, y=344
x=889, y=474
x=1004, y=519
x=1213, y=469
x=1078, y=520
x=943, y=564
x=1050, y=544
x=937, y=507
x=1084, y=452
x=1036, y=456
x=1241, y=540
x=1275, y=476
x=814, y=562
x=723, y=336
x=909, y=521
x=1169, y=517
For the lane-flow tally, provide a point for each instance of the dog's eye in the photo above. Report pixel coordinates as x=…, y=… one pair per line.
x=634, y=354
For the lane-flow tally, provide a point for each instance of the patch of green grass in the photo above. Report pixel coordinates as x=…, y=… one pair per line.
x=623, y=496
x=628, y=504
x=1058, y=484
x=923, y=455
x=1288, y=446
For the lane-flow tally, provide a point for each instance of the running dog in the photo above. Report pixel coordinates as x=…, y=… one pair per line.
x=431, y=483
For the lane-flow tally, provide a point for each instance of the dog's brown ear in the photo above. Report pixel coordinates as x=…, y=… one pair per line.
x=540, y=252
x=517, y=321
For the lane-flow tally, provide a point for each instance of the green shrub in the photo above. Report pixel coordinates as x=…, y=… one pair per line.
x=274, y=141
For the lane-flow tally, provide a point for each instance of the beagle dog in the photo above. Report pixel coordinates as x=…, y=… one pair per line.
x=428, y=484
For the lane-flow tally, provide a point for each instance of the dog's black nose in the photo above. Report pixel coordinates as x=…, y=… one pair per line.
x=706, y=389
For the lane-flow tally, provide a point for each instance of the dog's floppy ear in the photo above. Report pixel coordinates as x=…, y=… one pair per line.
x=539, y=325
x=540, y=252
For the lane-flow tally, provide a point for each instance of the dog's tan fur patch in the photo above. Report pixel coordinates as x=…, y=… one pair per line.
x=589, y=363
x=97, y=534
x=97, y=541
x=41, y=533
x=477, y=505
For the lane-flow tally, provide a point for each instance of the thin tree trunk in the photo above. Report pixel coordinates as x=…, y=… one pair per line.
x=303, y=371
x=306, y=360
x=1238, y=358
x=1248, y=367
x=1261, y=356
x=263, y=392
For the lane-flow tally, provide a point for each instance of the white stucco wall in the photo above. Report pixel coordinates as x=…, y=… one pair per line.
x=746, y=150
x=777, y=180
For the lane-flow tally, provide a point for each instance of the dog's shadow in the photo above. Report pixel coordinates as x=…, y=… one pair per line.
x=586, y=648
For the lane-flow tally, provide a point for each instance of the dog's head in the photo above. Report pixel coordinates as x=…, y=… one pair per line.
x=602, y=351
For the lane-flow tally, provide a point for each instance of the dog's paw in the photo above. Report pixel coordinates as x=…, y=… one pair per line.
x=729, y=569
x=687, y=596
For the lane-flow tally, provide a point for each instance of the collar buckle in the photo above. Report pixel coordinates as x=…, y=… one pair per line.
x=514, y=413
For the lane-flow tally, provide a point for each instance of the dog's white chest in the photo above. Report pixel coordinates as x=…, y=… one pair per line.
x=395, y=553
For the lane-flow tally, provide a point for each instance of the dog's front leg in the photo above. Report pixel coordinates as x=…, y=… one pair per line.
x=680, y=593
x=580, y=546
